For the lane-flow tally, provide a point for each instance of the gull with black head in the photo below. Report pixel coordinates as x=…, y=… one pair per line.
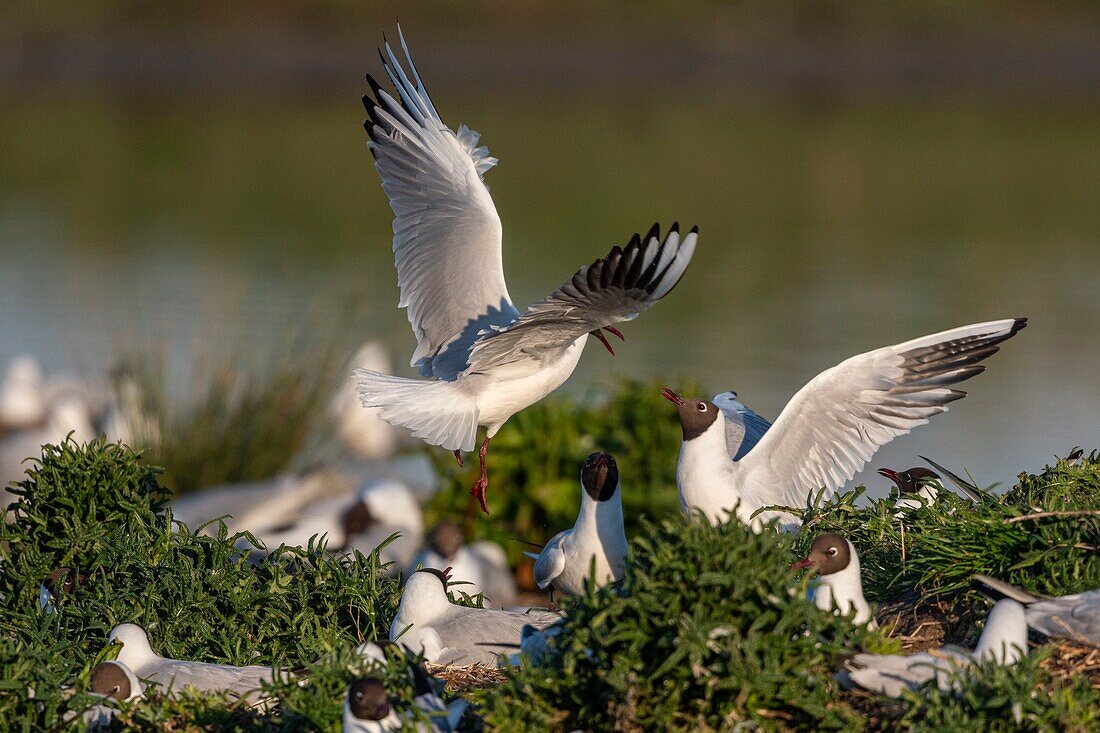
x=840, y=587
x=480, y=359
x=597, y=540
x=368, y=709
x=830, y=428
x=114, y=682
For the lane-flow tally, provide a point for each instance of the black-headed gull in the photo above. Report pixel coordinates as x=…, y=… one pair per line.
x=114, y=679
x=174, y=675
x=446, y=633
x=920, y=486
x=59, y=581
x=598, y=537
x=481, y=359
x=115, y=682
x=480, y=567
x=840, y=586
x=831, y=427
x=1075, y=617
x=1003, y=642
x=367, y=709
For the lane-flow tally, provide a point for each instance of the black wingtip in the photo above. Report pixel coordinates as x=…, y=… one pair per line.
x=694, y=229
x=635, y=241
x=674, y=228
x=1018, y=324
x=653, y=233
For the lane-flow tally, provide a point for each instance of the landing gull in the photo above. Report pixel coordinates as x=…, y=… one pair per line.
x=481, y=360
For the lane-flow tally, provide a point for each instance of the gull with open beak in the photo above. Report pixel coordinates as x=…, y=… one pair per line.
x=481, y=360
x=830, y=428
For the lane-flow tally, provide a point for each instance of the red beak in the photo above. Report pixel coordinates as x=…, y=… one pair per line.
x=892, y=475
x=617, y=332
x=601, y=459
x=672, y=397
x=802, y=564
x=447, y=572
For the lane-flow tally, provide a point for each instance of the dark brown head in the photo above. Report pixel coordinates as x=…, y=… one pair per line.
x=367, y=699
x=829, y=554
x=600, y=476
x=62, y=580
x=441, y=574
x=109, y=679
x=445, y=539
x=911, y=481
x=357, y=520
x=696, y=414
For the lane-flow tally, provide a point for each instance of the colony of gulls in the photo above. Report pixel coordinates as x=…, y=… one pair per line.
x=481, y=360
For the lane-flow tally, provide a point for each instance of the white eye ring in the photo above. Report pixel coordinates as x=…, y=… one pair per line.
x=702, y=407
x=832, y=550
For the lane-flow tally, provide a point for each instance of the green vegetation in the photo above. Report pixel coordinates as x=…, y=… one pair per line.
x=932, y=551
x=709, y=630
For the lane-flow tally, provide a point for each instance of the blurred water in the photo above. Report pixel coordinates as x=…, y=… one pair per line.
x=826, y=230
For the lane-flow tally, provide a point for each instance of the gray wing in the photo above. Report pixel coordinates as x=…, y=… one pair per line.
x=1069, y=617
x=484, y=635
x=892, y=674
x=613, y=289
x=833, y=425
x=446, y=232
x=744, y=428
x=551, y=561
x=242, y=681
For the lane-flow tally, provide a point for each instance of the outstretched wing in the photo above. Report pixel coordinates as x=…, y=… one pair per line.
x=611, y=290
x=833, y=426
x=446, y=232
x=744, y=428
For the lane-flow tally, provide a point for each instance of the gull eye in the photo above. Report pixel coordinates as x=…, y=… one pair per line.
x=832, y=550
x=116, y=688
x=702, y=407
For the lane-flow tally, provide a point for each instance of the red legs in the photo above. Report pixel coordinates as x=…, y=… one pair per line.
x=598, y=333
x=458, y=457
x=478, y=492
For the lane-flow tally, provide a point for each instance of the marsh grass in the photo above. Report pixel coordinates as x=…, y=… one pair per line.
x=247, y=417
x=708, y=631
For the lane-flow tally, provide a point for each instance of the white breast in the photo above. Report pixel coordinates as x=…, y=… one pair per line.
x=509, y=389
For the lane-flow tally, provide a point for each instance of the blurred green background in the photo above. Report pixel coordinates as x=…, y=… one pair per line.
x=193, y=177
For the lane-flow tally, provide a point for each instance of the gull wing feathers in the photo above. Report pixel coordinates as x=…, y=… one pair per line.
x=744, y=428
x=833, y=425
x=613, y=289
x=446, y=232
x=891, y=674
x=551, y=561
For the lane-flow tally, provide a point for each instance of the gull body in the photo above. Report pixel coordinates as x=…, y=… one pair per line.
x=1075, y=617
x=479, y=567
x=480, y=359
x=830, y=428
x=174, y=674
x=1003, y=642
x=22, y=402
x=446, y=633
x=115, y=682
x=597, y=540
x=840, y=584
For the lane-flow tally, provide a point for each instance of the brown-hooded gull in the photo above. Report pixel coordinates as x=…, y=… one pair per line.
x=920, y=486
x=114, y=682
x=60, y=581
x=1075, y=617
x=427, y=621
x=479, y=567
x=1003, y=642
x=596, y=541
x=481, y=359
x=830, y=428
x=840, y=587
x=367, y=709
x=174, y=675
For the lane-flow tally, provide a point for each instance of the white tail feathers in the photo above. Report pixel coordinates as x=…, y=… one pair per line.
x=439, y=413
